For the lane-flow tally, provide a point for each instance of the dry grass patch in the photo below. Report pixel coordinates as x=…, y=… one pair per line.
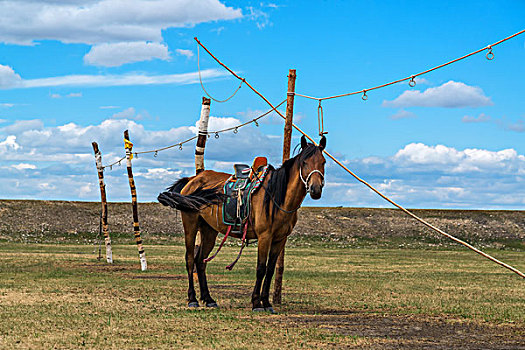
x=62, y=297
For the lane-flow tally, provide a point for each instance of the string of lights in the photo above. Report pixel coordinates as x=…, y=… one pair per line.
x=216, y=134
x=411, y=78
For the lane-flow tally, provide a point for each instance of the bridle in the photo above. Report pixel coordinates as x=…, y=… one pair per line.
x=305, y=182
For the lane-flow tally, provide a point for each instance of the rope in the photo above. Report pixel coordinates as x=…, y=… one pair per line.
x=406, y=211
x=202, y=85
x=513, y=269
x=110, y=166
x=209, y=133
x=411, y=78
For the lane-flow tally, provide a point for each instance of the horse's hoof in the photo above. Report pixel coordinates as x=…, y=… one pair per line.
x=258, y=309
x=270, y=310
x=212, y=305
x=193, y=304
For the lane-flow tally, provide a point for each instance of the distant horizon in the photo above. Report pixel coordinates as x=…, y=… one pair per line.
x=304, y=206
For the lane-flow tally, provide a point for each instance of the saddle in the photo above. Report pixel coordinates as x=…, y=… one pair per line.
x=239, y=189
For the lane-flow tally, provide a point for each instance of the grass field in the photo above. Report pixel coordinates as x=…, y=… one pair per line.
x=60, y=296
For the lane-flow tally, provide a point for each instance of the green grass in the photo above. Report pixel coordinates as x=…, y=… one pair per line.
x=61, y=296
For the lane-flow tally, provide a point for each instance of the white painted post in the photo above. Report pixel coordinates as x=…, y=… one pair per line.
x=103, y=200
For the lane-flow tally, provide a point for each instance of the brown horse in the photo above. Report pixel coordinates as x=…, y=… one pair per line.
x=271, y=220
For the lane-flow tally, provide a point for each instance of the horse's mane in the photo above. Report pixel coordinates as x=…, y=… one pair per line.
x=178, y=185
x=279, y=178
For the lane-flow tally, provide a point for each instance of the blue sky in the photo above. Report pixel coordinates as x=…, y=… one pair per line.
x=73, y=72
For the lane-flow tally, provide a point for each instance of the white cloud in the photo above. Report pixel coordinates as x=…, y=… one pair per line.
x=165, y=175
x=8, y=77
x=454, y=161
x=482, y=118
x=217, y=123
x=518, y=126
x=102, y=21
x=503, y=122
x=106, y=80
x=402, y=114
x=271, y=118
x=422, y=81
x=425, y=176
x=417, y=175
x=86, y=191
x=7, y=105
x=9, y=144
x=117, y=54
x=70, y=95
x=218, y=30
x=64, y=157
x=46, y=187
x=261, y=18
x=109, y=107
x=23, y=166
x=21, y=125
x=449, y=95
x=186, y=53
x=130, y=114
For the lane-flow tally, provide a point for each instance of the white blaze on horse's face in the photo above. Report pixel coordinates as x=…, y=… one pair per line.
x=312, y=174
x=311, y=170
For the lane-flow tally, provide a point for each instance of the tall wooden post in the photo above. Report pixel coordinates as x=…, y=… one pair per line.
x=103, y=201
x=199, y=153
x=136, y=228
x=286, y=155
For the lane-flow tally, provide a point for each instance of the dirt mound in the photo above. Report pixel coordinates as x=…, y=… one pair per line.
x=40, y=221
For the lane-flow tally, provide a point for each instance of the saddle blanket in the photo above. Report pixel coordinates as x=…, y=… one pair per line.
x=239, y=191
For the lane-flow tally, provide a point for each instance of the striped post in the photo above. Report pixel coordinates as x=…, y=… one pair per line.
x=103, y=200
x=199, y=151
x=136, y=228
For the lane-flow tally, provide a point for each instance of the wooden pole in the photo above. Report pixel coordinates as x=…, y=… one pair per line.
x=286, y=155
x=103, y=201
x=136, y=228
x=203, y=134
x=199, y=155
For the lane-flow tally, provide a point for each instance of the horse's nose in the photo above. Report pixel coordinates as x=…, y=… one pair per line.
x=316, y=191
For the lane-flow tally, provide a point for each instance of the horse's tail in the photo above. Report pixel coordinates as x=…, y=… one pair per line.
x=195, y=201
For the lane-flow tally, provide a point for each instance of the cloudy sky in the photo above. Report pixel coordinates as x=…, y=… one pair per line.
x=73, y=72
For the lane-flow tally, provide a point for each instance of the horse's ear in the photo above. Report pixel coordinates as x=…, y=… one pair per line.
x=322, y=143
x=303, y=142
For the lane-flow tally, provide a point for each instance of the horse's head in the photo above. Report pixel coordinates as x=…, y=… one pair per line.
x=311, y=168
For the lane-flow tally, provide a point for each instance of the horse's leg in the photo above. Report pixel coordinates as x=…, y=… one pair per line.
x=275, y=250
x=262, y=257
x=208, y=236
x=190, y=223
